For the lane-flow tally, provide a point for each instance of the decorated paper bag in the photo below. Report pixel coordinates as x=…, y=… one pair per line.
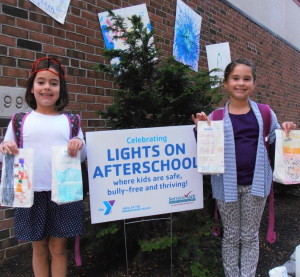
x=287, y=157
x=66, y=176
x=16, y=181
x=210, y=147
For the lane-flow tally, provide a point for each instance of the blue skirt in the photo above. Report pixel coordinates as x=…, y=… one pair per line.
x=47, y=219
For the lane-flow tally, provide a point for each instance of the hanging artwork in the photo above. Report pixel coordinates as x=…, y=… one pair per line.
x=16, y=182
x=186, y=47
x=218, y=57
x=105, y=21
x=55, y=8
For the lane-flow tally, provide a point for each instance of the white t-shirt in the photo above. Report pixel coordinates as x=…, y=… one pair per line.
x=41, y=132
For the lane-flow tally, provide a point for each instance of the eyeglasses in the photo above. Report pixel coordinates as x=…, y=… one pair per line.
x=46, y=66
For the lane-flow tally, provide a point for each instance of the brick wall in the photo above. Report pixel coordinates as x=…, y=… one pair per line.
x=27, y=34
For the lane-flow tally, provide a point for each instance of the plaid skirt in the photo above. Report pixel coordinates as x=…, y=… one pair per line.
x=47, y=219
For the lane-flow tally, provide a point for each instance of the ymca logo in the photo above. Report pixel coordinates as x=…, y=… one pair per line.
x=108, y=206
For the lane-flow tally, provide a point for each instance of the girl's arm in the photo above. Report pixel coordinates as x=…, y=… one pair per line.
x=287, y=126
x=77, y=144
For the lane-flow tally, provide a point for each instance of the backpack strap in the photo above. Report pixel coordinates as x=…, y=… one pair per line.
x=265, y=111
x=74, y=123
x=18, y=120
x=218, y=114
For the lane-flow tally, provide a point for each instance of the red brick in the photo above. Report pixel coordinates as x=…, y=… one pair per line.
x=1, y=213
x=104, y=99
x=7, y=20
x=86, y=98
x=20, y=53
x=15, y=72
x=64, y=43
x=10, y=2
x=30, y=25
x=10, y=82
x=7, y=223
x=85, y=48
x=7, y=40
x=75, y=37
x=95, y=107
x=84, y=31
x=41, y=37
x=55, y=50
x=74, y=106
x=77, y=20
x=77, y=88
x=16, y=32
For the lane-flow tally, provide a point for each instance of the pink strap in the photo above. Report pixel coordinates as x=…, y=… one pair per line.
x=216, y=228
x=77, y=251
x=271, y=235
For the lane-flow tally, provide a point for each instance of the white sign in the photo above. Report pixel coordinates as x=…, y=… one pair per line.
x=55, y=8
x=142, y=172
x=218, y=57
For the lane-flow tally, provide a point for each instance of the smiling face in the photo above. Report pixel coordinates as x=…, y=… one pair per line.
x=240, y=82
x=46, y=90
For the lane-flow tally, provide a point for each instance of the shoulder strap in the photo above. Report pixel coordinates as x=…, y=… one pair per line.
x=74, y=122
x=17, y=125
x=218, y=114
x=266, y=114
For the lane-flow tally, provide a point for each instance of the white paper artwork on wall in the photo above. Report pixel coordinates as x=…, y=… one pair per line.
x=218, y=57
x=55, y=8
x=186, y=47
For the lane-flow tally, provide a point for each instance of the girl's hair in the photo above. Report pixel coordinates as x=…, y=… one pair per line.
x=46, y=64
x=229, y=68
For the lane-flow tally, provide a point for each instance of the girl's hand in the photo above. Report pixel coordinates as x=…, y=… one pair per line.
x=288, y=126
x=201, y=117
x=74, y=145
x=9, y=147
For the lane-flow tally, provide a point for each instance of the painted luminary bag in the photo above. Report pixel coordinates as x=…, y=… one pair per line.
x=66, y=176
x=16, y=181
x=210, y=147
x=287, y=157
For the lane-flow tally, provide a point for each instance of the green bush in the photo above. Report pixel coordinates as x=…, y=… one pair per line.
x=161, y=92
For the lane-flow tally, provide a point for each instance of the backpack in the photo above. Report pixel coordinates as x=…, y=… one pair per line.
x=18, y=120
x=265, y=111
x=74, y=122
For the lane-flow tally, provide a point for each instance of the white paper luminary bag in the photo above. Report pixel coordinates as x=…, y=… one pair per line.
x=16, y=188
x=210, y=147
x=66, y=176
